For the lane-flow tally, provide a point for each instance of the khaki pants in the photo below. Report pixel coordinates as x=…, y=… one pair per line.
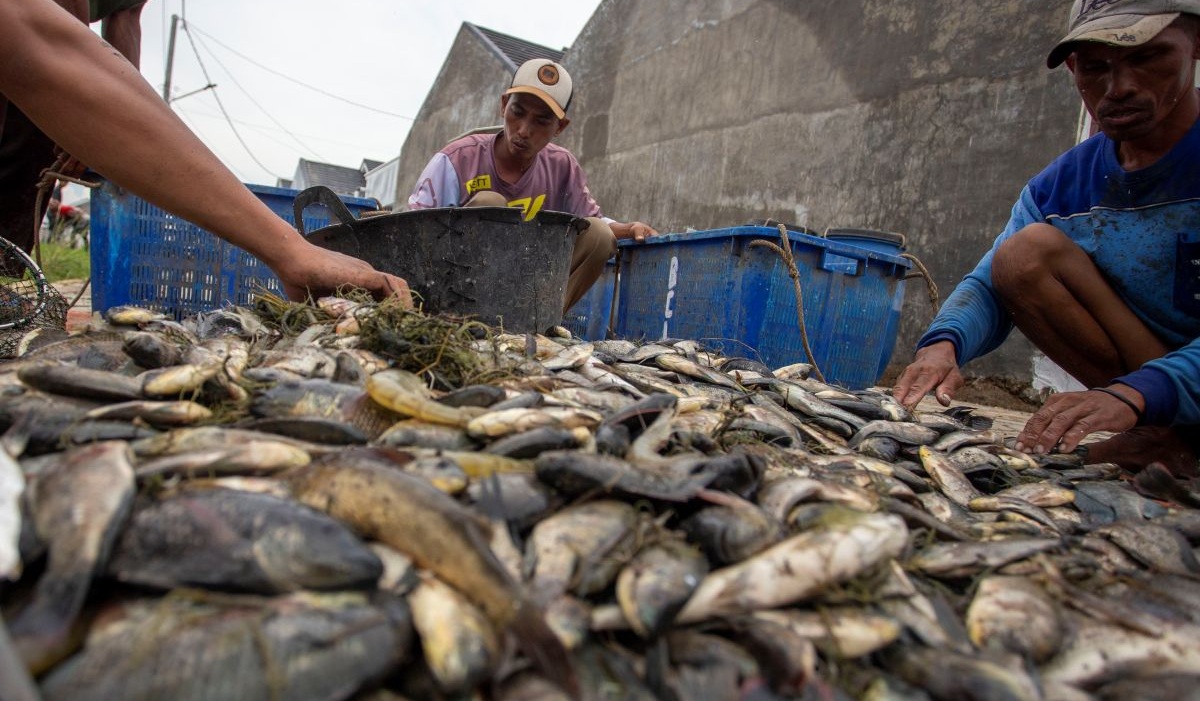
x=593, y=247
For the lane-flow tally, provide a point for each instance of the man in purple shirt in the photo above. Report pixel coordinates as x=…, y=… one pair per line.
x=517, y=166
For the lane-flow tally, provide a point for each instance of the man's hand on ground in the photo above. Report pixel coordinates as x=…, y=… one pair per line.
x=935, y=368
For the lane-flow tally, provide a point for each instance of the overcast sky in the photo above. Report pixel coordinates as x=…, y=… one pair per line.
x=272, y=60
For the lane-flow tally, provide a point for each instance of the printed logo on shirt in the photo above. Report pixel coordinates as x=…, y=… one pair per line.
x=529, y=205
x=483, y=182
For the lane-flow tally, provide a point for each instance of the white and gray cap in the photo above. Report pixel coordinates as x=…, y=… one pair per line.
x=546, y=79
x=1118, y=22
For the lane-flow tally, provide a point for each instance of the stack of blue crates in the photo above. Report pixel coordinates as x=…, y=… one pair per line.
x=143, y=256
x=714, y=287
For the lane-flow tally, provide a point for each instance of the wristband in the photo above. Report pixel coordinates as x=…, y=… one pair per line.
x=1128, y=402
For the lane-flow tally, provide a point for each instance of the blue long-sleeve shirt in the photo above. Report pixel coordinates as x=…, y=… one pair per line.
x=1142, y=230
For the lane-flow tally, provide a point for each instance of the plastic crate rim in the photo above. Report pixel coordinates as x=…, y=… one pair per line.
x=766, y=232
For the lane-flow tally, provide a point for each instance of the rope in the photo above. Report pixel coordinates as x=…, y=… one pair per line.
x=930, y=285
x=48, y=179
x=786, y=254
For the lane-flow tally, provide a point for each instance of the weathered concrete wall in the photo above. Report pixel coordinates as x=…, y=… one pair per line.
x=465, y=96
x=923, y=117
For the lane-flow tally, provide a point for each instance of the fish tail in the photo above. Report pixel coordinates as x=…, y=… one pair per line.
x=543, y=648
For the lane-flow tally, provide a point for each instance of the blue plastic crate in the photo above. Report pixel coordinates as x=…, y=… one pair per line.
x=144, y=256
x=588, y=319
x=712, y=286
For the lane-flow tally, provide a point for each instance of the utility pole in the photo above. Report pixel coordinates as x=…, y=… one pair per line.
x=170, y=59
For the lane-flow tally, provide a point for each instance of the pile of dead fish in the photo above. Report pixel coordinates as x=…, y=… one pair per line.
x=217, y=510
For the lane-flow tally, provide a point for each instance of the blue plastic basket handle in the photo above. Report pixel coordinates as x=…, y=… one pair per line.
x=319, y=194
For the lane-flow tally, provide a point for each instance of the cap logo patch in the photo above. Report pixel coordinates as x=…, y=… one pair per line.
x=548, y=75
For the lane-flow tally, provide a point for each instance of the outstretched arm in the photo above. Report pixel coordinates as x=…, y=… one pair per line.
x=120, y=127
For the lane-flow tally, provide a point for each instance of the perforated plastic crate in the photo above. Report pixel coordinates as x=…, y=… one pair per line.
x=588, y=319
x=144, y=256
x=714, y=287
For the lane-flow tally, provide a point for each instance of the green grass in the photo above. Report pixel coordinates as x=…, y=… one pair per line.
x=62, y=263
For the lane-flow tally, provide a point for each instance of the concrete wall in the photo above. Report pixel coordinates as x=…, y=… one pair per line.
x=923, y=117
x=466, y=95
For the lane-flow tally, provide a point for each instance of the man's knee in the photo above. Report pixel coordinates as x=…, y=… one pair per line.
x=1028, y=255
x=597, y=239
x=486, y=198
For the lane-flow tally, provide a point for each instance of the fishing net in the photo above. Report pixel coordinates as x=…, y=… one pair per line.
x=27, y=300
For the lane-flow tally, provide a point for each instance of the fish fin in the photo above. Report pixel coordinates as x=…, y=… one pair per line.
x=544, y=649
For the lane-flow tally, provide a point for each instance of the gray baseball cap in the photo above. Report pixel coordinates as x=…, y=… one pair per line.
x=1118, y=22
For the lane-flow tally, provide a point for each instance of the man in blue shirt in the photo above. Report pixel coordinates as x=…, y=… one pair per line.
x=1099, y=265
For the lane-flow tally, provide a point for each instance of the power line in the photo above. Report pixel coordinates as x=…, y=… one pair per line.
x=258, y=105
x=298, y=82
x=220, y=104
x=267, y=130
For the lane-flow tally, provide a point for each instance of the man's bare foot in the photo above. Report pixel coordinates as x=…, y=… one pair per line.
x=1138, y=447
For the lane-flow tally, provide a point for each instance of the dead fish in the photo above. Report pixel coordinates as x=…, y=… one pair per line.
x=949, y=674
x=961, y=439
x=573, y=550
x=907, y=433
x=302, y=647
x=731, y=530
x=966, y=559
x=532, y=443
x=230, y=539
x=799, y=567
x=324, y=399
x=570, y=357
x=574, y=473
x=788, y=659
x=1095, y=652
x=517, y=499
x=1017, y=615
x=1015, y=505
x=650, y=351
x=394, y=389
x=16, y=684
x=73, y=381
x=1158, y=547
x=809, y=404
x=949, y=479
x=12, y=486
x=127, y=315
x=496, y=424
x=653, y=587
x=421, y=434
x=439, y=471
x=177, y=413
x=255, y=457
x=441, y=536
x=309, y=428
x=683, y=366
x=80, y=504
x=197, y=438
x=474, y=395
x=177, y=380
x=842, y=632
x=460, y=646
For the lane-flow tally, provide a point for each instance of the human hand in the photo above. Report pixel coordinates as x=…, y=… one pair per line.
x=934, y=367
x=319, y=272
x=637, y=231
x=1066, y=419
